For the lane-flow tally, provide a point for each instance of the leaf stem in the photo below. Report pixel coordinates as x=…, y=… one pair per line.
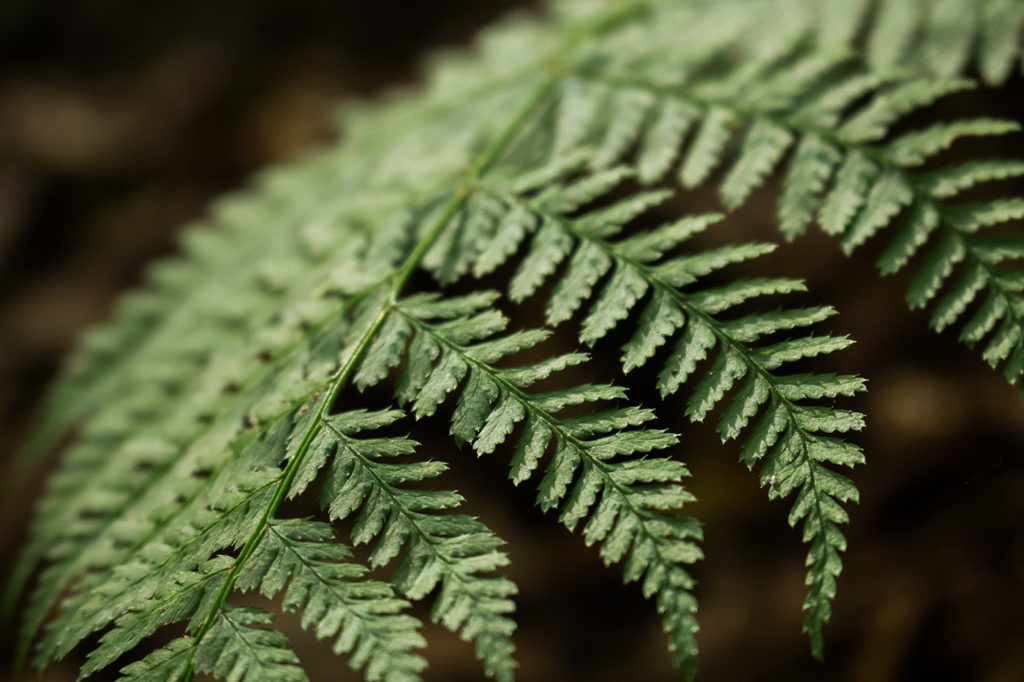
x=401, y=277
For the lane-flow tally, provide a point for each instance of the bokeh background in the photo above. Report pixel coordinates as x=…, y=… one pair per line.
x=120, y=120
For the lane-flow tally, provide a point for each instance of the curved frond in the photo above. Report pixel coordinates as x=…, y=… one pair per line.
x=544, y=154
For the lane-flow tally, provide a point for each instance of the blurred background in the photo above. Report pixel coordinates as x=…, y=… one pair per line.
x=120, y=120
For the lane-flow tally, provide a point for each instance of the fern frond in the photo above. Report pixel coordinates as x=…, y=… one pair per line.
x=680, y=306
x=926, y=37
x=189, y=405
x=237, y=650
x=597, y=471
x=116, y=488
x=941, y=37
x=845, y=169
x=159, y=582
x=213, y=395
x=137, y=597
x=365, y=617
x=457, y=552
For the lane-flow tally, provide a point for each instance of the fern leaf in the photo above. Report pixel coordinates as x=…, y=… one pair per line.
x=658, y=322
x=912, y=232
x=586, y=267
x=454, y=551
x=848, y=194
x=105, y=448
x=629, y=110
x=663, y=139
x=951, y=32
x=511, y=232
x=937, y=267
x=813, y=164
x=889, y=195
x=1001, y=27
x=364, y=617
x=540, y=263
x=180, y=598
x=708, y=147
x=162, y=470
x=577, y=111
x=166, y=664
x=787, y=436
x=947, y=183
x=590, y=463
x=841, y=116
x=212, y=396
x=913, y=149
x=928, y=37
x=956, y=300
x=236, y=650
x=873, y=121
x=762, y=150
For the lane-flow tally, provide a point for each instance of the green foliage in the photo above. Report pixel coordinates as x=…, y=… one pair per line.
x=847, y=169
x=787, y=435
x=450, y=550
x=598, y=471
x=548, y=160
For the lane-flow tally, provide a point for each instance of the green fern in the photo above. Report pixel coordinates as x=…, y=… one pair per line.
x=930, y=37
x=940, y=37
x=845, y=170
x=787, y=433
x=216, y=391
x=594, y=459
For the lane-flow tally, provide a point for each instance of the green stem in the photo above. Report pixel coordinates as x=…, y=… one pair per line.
x=401, y=277
x=22, y=570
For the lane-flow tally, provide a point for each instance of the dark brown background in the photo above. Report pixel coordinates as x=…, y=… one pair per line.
x=120, y=120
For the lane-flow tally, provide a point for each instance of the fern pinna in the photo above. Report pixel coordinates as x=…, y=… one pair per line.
x=550, y=154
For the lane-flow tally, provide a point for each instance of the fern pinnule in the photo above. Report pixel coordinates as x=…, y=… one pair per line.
x=165, y=664
x=297, y=552
x=364, y=617
x=942, y=37
x=237, y=649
